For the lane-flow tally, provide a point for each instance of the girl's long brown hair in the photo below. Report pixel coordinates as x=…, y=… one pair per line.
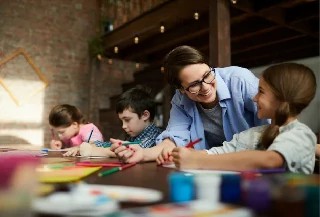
x=295, y=86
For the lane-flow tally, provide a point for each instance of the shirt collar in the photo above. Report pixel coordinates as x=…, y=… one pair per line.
x=222, y=88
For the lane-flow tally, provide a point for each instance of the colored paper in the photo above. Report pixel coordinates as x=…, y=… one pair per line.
x=57, y=173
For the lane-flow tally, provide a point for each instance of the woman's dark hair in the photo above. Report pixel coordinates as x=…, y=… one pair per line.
x=137, y=99
x=177, y=59
x=64, y=115
x=295, y=86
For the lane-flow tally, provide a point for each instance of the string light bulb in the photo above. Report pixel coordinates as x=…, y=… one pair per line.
x=99, y=57
x=110, y=61
x=116, y=49
x=196, y=15
x=162, y=28
x=136, y=40
x=234, y=2
x=162, y=69
x=137, y=65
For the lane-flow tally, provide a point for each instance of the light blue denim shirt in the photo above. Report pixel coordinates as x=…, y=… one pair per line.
x=236, y=88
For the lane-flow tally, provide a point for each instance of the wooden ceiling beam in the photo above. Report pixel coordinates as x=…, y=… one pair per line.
x=150, y=21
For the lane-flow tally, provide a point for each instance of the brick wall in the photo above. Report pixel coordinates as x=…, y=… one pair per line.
x=55, y=34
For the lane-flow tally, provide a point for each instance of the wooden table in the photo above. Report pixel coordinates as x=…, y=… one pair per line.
x=145, y=175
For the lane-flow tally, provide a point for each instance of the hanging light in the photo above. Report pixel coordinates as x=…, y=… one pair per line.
x=196, y=15
x=116, y=49
x=162, y=69
x=136, y=40
x=162, y=28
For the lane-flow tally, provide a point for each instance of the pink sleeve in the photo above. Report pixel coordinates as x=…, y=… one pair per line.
x=86, y=130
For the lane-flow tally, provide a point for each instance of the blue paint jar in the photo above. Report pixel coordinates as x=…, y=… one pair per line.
x=182, y=188
x=230, y=189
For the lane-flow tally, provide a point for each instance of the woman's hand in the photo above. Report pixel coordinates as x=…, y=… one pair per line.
x=55, y=144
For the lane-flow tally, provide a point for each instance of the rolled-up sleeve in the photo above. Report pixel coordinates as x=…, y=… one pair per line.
x=297, y=148
x=178, y=129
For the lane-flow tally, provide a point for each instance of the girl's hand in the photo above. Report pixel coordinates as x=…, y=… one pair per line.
x=165, y=155
x=186, y=158
x=55, y=144
x=72, y=151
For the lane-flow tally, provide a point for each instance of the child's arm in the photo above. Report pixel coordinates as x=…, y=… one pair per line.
x=87, y=149
x=237, y=161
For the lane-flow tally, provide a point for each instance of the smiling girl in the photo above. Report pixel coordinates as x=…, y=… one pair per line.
x=284, y=91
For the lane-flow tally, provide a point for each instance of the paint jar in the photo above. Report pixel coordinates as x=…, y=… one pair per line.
x=18, y=184
x=181, y=187
x=258, y=195
x=208, y=187
x=230, y=189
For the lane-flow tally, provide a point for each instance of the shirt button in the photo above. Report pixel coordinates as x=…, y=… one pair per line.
x=293, y=164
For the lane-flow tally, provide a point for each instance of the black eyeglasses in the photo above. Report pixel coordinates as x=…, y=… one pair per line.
x=208, y=78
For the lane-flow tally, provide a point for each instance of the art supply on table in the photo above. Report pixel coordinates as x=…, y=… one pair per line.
x=80, y=201
x=230, y=188
x=258, y=195
x=131, y=143
x=108, y=144
x=269, y=171
x=181, y=186
x=115, y=169
x=192, y=143
x=60, y=173
x=207, y=187
x=53, y=150
x=100, y=164
x=102, y=144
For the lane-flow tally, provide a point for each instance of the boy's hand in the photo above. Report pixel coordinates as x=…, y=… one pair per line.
x=85, y=149
x=165, y=155
x=55, y=144
x=72, y=151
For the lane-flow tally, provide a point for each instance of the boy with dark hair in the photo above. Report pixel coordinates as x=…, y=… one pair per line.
x=136, y=109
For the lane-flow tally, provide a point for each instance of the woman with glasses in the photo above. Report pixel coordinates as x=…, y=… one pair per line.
x=210, y=103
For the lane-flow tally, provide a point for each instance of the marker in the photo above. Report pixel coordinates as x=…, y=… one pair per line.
x=266, y=171
x=131, y=143
x=116, y=169
x=191, y=144
x=90, y=135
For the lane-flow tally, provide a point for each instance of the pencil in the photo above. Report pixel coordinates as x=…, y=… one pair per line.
x=90, y=135
x=115, y=169
x=192, y=143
